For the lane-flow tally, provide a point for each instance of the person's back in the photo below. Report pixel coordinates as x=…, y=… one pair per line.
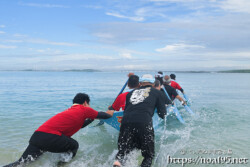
x=119, y=102
x=137, y=126
x=68, y=122
x=141, y=103
x=175, y=85
x=171, y=91
x=55, y=134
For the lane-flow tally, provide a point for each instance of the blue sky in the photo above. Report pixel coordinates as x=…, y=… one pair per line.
x=125, y=35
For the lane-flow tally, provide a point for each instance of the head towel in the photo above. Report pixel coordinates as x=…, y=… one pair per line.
x=147, y=78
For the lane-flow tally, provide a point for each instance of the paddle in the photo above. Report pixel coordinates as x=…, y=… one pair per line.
x=124, y=86
x=175, y=110
x=186, y=97
x=186, y=106
x=189, y=109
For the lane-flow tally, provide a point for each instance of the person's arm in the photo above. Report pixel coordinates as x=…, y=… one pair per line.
x=160, y=105
x=105, y=115
x=181, y=100
x=87, y=122
x=182, y=91
x=93, y=114
x=100, y=115
x=179, y=88
x=111, y=108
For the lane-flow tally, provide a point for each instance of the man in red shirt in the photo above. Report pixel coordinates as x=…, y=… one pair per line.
x=133, y=83
x=55, y=134
x=174, y=84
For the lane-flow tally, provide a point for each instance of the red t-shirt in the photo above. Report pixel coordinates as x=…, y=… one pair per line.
x=69, y=121
x=120, y=102
x=175, y=85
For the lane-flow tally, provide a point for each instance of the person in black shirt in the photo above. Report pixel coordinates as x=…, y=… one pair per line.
x=137, y=126
x=157, y=85
x=159, y=76
x=171, y=91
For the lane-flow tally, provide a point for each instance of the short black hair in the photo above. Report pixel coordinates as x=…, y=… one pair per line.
x=159, y=79
x=157, y=83
x=172, y=76
x=133, y=81
x=80, y=98
x=160, y=72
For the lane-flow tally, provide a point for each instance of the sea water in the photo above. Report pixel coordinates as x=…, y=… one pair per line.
x=220, y=127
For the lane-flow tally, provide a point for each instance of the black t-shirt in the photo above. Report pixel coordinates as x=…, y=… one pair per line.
x=141, y=104
x=166, y=99
x=160, y=79
x=171, y=91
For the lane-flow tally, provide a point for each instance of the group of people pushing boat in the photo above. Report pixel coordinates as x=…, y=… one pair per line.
x=136, y=132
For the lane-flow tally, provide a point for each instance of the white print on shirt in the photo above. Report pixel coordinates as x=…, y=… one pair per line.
x=139, y=95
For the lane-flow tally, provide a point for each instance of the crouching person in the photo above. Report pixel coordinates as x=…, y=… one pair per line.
x=55, y=134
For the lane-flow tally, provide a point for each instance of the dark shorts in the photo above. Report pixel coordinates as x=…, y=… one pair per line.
x=53, y=143
x=136, y=136
x=42, y=142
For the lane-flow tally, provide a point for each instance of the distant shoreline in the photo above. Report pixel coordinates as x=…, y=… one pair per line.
x=94, y=70
x=236, y=71
x=73, y=70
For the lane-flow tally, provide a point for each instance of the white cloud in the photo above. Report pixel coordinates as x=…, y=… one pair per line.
x=2, y=32
x=13, y=41
x=192, y=61
x=25, y=38
x=222, y=32
x=157, y=12
x=80, y=56
x=44, y=5
x=2, y=26
x=92, y=6
x=134, y=67
x=104, y=35
x=19, y=35
x=236, y=5
x=176, y=47
x=126, y=55
x=128, y=32
x=236, y=55
x=47, y=42
x=46, y=50
x=140, y=14
x=135, y=18
x=7, y=47
x=173, y=0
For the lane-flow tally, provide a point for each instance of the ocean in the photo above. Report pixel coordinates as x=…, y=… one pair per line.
x=219, y=129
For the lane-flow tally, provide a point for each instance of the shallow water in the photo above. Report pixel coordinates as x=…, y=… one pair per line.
x=220, y=101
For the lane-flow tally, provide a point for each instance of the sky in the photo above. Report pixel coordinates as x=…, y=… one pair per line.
x=169, y=35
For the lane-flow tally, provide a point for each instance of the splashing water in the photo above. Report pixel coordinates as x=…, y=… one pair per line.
x=28, y=99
